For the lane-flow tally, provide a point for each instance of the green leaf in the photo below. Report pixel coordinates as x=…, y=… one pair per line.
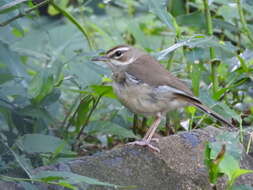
x=62, y=3
x=17, y=32
x=230, y=113
x=41, y=85
x=229, y=12
x=240, y=172
x=11, y=60
x=229, y=166
x=67, y=185
x=141, y=38
x=51, y=97
x=5, y=74
x=218, y=107
x=195, y=75
x=223, y=25
x=158, y=7
x=82, y=110
x=177, y=7
x=71, y=178
x=242, y=187
x=102, y=90
x=11, y=6
x=38, y=143
x=51, y=178
x=233, y=145
x=195, y=20
x=212, y=163
x=108, y=128
x=191, y=42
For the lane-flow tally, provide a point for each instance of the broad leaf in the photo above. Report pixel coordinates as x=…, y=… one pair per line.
x=158, y=7
x=229, y=165
x=71, y=178
x=102, y=90
x=38, y=143
x=40, y=86
x=108, y=128
x=11, y=6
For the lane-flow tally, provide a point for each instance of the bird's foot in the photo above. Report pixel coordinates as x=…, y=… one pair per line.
x=156, y=140
x=145, y=143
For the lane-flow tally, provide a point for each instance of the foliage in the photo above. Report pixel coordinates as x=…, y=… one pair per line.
x=64, y=179
x=225, y=160
x=54, y=102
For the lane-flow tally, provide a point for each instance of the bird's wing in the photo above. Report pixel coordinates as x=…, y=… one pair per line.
x=150, y=71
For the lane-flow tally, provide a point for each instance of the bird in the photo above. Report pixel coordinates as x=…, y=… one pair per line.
x=145, y=87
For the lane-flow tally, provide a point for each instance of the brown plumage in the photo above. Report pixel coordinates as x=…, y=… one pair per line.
x=145, y=87
x=146, y=66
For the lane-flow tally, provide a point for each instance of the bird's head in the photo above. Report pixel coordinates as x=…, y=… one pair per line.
x=119, y=57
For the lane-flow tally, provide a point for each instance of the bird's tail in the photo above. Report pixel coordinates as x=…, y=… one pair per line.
x=197, y=103
x=212, y=113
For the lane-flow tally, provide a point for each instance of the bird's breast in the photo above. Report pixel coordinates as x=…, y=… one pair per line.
x=143, y=99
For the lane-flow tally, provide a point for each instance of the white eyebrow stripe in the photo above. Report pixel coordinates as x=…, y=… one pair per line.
x=122, y=49
x=119, y=63
x=118, y=49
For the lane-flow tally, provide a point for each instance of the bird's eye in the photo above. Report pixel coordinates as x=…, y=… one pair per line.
x=118, y=54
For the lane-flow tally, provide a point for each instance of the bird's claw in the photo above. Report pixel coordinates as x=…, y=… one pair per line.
x=145, y=143
x=156, y=140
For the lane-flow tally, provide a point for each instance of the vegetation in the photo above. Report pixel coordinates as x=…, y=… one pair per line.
x=55, y=104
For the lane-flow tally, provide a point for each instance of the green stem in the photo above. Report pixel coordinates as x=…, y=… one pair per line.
x=11, y=179
x=24, y=13
x=187, y=8
x=75, y=22
x=214, y=75
x=89, y=115
x=245, y=28
x=209, y=25
x=208, y=18
x=168, y=65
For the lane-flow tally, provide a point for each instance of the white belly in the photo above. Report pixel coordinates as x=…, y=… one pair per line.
x=141, y=99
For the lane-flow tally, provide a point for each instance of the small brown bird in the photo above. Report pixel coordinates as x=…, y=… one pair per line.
x=145, y=87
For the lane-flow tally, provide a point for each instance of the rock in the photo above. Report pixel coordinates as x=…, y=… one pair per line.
x=179, y=166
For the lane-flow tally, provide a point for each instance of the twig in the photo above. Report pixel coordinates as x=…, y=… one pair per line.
x=23, y=14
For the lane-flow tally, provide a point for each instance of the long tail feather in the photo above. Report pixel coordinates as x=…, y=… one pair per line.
x=212, y=113
x=195, y=102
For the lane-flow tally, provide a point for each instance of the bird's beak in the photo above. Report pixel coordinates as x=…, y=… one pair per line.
x=100, y=58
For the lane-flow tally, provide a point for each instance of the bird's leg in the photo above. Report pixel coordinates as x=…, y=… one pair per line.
x=150, y=133
x=148, y=136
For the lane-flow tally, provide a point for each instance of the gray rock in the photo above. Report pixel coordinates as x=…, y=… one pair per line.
x=179, y=166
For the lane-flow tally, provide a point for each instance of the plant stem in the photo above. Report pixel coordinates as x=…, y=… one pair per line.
x=89, y=115
x=245, y=28
x=71, y=113
x=168, y=65
x=75, y=22
x=187, y=7
x=214, y=74
x=135, y=123
x=209, y=26
x=22, y=14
